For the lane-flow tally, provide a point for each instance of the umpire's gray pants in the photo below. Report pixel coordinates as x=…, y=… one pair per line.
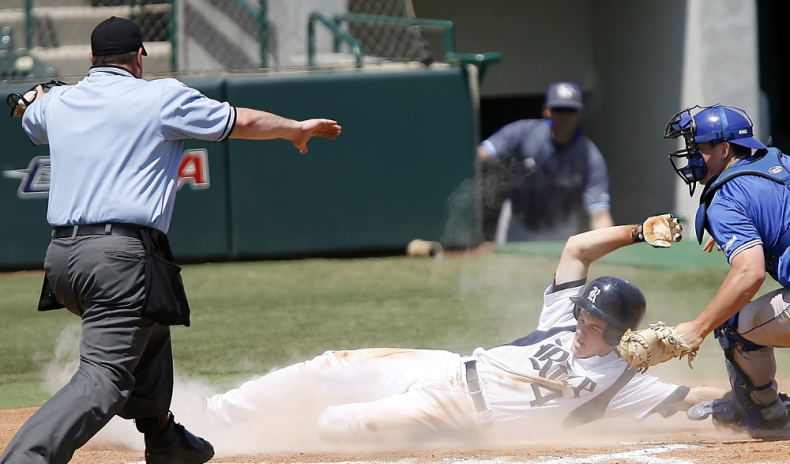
x=126, y=362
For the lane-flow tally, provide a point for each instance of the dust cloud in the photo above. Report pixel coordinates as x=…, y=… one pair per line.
x=291, y=427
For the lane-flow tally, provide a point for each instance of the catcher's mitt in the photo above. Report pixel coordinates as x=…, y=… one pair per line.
x=19, y=102
x=648, y=347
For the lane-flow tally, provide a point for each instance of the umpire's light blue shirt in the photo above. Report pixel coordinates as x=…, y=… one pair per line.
x=116, y=143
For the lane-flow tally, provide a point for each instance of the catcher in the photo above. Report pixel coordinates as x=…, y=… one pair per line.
x=567, y=371
x=746, y=209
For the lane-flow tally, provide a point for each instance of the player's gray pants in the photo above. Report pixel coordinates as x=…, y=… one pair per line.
x=765, y=321
x=126, y=365
x=511, y=229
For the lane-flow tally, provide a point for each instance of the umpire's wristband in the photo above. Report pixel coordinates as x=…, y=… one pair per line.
x=636, y=233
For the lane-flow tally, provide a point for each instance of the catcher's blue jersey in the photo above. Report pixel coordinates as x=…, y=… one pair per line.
x=748, y=211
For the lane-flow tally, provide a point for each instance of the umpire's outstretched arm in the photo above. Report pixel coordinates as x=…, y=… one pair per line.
x=259, y=125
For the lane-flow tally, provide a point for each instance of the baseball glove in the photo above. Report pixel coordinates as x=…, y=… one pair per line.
x=658, y=231
x=644, y=348
x=19, y=102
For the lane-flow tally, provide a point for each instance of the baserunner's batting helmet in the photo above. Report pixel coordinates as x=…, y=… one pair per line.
x=614, y=300
x=700, y=124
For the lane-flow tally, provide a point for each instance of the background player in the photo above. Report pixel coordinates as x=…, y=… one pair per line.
x=746, y=208
x=566, y=371
x=554, y=172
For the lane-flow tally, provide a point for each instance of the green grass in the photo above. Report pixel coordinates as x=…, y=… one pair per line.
x=248, y=318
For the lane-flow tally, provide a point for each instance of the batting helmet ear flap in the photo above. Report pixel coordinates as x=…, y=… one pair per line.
x=612, y=334
x=613, y=300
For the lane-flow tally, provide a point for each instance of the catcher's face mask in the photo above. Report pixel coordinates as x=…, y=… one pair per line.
x=713, y=124
x=19, y=102
x=687, y=162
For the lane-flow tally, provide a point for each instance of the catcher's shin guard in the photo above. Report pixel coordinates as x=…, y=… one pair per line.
x=740, y=410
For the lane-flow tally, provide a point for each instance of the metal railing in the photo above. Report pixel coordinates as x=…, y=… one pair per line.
x=172, y=33
x=481, y=60
x=260, y=17
x=29, y=24
x=338, y=34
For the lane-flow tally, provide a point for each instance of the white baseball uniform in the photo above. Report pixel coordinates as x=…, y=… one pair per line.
x=389, y=391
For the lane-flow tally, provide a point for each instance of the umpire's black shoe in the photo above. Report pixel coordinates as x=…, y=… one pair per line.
x=178, y=445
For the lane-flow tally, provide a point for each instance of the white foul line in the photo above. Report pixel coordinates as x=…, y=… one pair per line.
x=643, y=456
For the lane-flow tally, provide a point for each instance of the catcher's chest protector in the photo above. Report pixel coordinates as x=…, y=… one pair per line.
x=769, y=166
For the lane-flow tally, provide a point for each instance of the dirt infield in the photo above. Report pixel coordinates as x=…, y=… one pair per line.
x=671, y=441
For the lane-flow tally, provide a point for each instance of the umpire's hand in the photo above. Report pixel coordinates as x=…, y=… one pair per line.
x=259, y=125
x=310, y=128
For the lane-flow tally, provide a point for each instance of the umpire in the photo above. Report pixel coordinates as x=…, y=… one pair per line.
x=115, y=146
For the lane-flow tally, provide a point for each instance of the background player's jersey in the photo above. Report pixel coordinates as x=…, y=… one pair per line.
x=550, y=182
x=748, y=211
x=601, y=386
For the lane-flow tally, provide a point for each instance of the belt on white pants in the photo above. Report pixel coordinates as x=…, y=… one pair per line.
x=483, y=413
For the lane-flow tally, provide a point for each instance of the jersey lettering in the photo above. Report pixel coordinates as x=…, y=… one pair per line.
x=551, y=363
x=585, y=383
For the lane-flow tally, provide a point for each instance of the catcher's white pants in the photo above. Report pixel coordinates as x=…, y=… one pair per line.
x=358, y=394
x=765, y=321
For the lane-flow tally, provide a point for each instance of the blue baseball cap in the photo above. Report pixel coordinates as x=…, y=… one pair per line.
x=564, y=95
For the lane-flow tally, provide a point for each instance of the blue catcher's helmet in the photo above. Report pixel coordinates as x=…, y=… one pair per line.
x=614, y=300
x=699, y=124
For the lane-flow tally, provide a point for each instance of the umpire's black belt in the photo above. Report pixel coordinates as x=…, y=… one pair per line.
x=110, y=228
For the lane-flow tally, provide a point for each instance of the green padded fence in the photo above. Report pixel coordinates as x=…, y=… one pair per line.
x=406, y=151
x=404, y=168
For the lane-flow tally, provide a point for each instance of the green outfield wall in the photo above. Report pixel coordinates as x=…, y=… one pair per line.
x=404, y=168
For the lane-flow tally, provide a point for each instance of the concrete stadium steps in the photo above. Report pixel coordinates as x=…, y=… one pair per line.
x=62, y=33
x=20, y=4
x=73, y=60
x=216, y=34
x=61, y=26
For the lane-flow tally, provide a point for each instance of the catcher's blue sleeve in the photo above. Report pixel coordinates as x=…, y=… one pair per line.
x=748, y=211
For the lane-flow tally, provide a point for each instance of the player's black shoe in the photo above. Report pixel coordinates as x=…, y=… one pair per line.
x=178, y=445
x=775, y=428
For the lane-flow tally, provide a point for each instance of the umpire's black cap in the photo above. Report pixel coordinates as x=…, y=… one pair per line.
x=116, y=35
